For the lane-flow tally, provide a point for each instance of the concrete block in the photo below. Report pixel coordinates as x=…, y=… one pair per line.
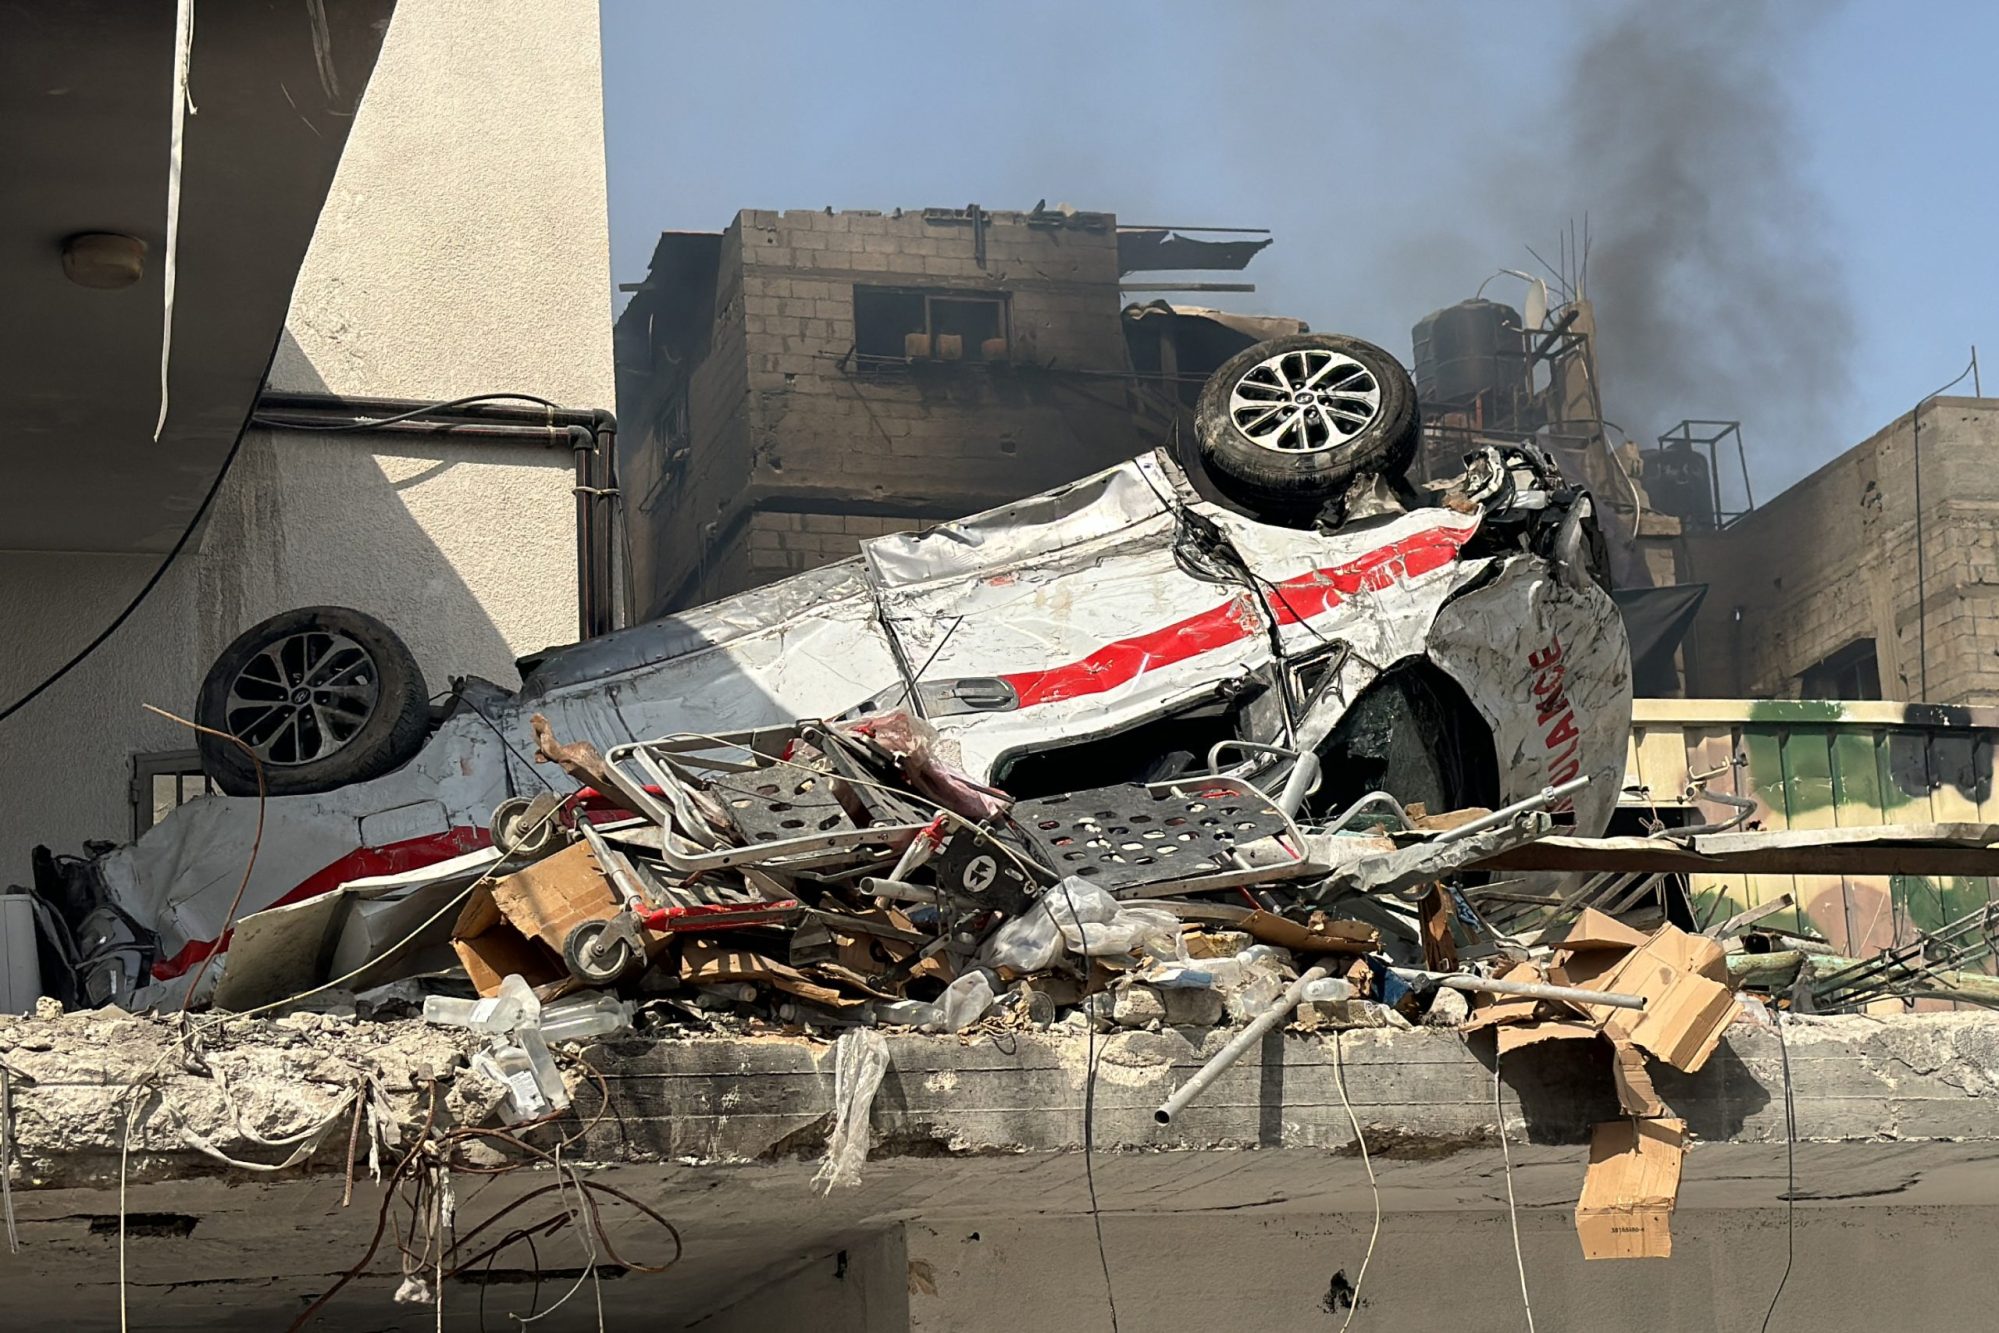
x=1217, y=943
x=1340, y=1015
x=1142, y=1005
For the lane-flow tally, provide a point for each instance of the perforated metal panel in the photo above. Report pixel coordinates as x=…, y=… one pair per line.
x=1131, y=834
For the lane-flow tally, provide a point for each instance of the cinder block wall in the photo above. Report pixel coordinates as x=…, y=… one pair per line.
x=1834, y=559
x=798, y=454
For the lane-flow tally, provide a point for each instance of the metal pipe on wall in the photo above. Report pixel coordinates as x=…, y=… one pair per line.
x=591, y=434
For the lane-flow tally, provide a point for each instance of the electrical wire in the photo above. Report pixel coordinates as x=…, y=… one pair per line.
x=145, y=589
x=1512, y=1207
x=201, y=511
x=1089, y=1129
x=1340, y=1082
x=1790, y=1174
x=7, y=1154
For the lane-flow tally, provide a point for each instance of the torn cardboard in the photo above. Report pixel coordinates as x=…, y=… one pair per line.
x=1504, y=1009
x=1323, y=935
x=518, y=924
x=706, y=962
x=1629, y=1191
x=1635, y=1093
x=1682, y=979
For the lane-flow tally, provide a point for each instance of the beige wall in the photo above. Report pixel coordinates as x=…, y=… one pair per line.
x=1833, y=559
x=463, y=249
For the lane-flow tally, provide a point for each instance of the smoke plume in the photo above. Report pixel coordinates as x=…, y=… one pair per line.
x=1717, y=293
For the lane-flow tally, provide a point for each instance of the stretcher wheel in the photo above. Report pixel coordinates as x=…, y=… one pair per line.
x=587, y=962
x=515, y=833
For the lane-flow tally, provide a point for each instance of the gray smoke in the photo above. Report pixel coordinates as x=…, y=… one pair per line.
x=1717, y=293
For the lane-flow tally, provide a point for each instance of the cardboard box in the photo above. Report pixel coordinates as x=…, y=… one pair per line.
x=1494, y=1010
x=1629, y=1191
x=517, y=924
x=1683, y=979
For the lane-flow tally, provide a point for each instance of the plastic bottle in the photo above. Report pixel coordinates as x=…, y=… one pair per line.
x=494, y=1013
x=909, y=1013
x=581, y=1017
x=511, y=1067
x=527, y=1035
x=1328, y=988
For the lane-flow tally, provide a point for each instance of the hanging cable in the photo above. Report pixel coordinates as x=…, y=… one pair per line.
x=1512, y=1208
x=1340, y=1082
x=1790, y=1175
x=1089, y=1127
x=201, y=512
x=183, y=107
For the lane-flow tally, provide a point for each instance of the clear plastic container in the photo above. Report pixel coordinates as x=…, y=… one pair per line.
x=582, y=1017
x=907, y=1013
x=965, y=1001
x=494, y=1013
x=515, y=987
x=1328, y=988
x=512, y=1068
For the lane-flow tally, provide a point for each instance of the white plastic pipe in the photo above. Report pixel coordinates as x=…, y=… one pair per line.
x=1240, y=1043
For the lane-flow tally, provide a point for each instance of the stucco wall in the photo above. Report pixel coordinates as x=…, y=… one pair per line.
x=463, y=250
x=464, y=246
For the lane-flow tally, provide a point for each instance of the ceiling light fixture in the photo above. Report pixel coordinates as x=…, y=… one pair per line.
x=103, y=259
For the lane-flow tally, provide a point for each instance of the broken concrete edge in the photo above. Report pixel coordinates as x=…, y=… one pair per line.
x=254, y=1090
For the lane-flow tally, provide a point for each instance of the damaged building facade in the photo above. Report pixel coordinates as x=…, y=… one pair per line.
x=807, y=379
x=1872, y=578
x=1049, y=826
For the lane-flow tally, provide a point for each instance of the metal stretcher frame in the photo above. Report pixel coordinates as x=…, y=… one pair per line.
x=654, y=761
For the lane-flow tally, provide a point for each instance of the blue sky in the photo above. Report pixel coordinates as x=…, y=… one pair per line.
x=1401, y=153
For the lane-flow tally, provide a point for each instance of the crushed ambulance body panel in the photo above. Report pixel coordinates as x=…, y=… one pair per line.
x=1105, y=622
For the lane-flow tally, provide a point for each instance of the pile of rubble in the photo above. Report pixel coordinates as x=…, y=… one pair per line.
x=830, y=878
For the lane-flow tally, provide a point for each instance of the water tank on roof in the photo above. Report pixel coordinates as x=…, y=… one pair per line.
x=1468, y=350
x=1678, y=482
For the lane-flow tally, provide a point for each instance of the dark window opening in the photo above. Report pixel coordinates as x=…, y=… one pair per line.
x=1851, y=673
x=897, y=324
x=1157, y=750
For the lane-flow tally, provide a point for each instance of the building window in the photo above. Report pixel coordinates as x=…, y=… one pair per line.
x=1850, y=673
x=905, y=324
x=162, y=782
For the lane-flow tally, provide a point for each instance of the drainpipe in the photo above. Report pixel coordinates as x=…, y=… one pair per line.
x=590, y=433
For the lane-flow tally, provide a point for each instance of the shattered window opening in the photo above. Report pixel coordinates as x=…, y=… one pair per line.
x=899, y=325
x=1851, y=673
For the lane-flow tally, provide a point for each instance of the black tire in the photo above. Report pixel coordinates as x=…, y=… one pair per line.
x=371, y=718
x=1314, y=462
